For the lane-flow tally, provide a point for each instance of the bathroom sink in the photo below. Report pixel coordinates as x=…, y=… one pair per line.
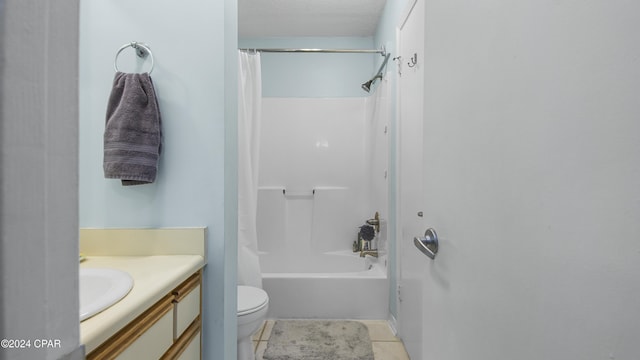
x=100, y=288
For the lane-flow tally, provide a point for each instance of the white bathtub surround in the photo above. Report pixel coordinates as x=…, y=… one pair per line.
x=336, y=158
x=249, y=123
x=317, y=187
x=332, y=223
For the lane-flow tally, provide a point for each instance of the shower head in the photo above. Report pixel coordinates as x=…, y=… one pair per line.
x=367, y=86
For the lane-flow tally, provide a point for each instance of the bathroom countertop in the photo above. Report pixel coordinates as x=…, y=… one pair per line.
x=153, y=277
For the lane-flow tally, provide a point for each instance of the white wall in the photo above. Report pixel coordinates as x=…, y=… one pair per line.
x=194, y=46
x=537, y=104
x=38, y=186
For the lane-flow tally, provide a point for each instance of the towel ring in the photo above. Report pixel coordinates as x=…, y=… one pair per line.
x=142, y=50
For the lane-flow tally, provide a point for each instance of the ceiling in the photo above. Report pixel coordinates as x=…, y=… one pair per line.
x=293, y=18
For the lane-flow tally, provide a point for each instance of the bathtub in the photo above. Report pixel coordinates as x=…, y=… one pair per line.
x=333, y=285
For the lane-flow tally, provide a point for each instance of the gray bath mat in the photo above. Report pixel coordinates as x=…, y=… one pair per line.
x=318, y=340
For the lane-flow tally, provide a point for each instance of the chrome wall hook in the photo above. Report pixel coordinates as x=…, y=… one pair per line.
x=413, y=61
x=399, y=64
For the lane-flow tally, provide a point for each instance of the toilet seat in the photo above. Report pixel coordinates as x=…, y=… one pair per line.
x=251, y=299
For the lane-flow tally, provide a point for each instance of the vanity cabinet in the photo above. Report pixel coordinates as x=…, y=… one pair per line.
x=170, y=329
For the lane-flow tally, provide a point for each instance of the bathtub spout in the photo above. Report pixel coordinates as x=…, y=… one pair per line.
x=373, y=253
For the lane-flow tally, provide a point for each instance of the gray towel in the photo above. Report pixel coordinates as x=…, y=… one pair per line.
x=132, y=134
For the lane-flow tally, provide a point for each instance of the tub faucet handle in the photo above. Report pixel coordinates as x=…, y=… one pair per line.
x=375, y=222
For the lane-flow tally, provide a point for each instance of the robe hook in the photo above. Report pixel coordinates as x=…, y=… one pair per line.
x=414, y=60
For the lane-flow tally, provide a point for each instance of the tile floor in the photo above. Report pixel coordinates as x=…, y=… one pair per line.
x=385, y=345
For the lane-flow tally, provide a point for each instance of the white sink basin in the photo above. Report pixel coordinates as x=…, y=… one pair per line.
x=100, y=288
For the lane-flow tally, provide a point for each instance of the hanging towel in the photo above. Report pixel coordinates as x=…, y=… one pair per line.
x=132, y=134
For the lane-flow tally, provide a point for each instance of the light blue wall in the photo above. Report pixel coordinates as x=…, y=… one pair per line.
x=314, y=75
x=386, y=35
x=193, y=42
x=230, y=322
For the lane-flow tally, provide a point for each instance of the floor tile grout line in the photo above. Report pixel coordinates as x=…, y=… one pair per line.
x=264, y=326
x=257, y=342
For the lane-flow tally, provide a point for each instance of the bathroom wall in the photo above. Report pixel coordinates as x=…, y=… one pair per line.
x=194, y=45
x=314, y=75
x=38, y=182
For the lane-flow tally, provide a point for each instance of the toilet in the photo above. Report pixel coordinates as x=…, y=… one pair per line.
x=253, y=304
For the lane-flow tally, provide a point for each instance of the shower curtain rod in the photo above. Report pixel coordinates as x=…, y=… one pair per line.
x=357, y=51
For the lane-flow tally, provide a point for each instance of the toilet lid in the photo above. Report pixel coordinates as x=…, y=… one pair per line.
x=251, y=299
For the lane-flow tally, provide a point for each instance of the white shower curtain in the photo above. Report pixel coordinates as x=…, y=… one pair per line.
x=249, y=114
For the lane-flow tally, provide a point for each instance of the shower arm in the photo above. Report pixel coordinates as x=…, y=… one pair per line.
x=379, y=73
x=367, y=85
